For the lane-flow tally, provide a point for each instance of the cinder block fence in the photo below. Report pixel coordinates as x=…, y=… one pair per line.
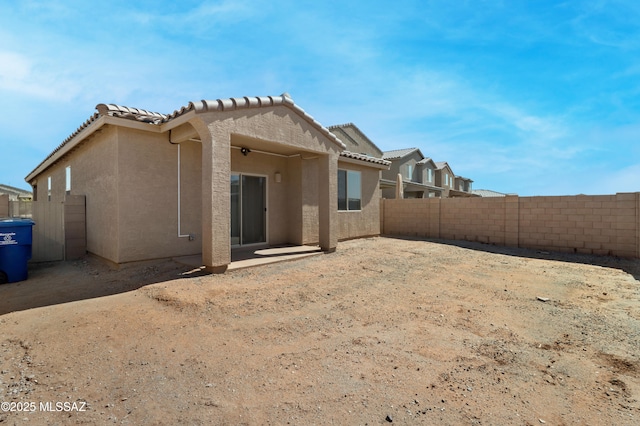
x=593, y=224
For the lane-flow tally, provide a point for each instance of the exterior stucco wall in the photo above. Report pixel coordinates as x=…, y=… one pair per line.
x=400, y=166
x=355, y=142
x=463, y=184
x=148, y=196
x=424, y=171
x=310, y=201
x=440, y=180
x=388, y=193
x=94, y=175
x=365, y=222
x=392, y=173
x=293, y=179
x=278, y=207
x=278, y=130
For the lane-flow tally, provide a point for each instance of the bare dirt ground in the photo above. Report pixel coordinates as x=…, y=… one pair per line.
x=384, y=330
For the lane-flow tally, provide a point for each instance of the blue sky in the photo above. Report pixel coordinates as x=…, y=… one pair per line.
x=528, y=97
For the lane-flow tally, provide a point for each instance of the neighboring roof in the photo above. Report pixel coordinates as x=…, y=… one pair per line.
x=203, y=106
x=399, y=153
x=343, y=130
x=442, y=164
x=487, y=193
x=363, y=157
x=454, y=193
x=425, y=161
x=12, y=190
x=464, y=178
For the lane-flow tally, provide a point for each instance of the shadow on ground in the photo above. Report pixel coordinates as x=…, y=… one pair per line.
x=62, y=282
x=630, y=266
x=54, y=283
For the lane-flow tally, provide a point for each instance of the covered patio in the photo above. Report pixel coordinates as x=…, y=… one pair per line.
x=268, y=175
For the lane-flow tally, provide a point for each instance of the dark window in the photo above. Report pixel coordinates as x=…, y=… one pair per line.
x=349, y=190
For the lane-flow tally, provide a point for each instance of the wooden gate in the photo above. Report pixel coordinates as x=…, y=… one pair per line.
x=60, y=229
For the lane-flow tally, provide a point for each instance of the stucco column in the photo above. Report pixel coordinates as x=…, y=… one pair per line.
x=328, y=201
x=216, y=201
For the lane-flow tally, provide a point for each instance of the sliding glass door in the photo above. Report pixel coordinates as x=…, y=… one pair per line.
x=248, y=209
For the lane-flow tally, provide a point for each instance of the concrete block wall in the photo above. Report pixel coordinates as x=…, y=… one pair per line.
x=410, y=216
x=4, y=205
x=600, y=224
x=465, y=219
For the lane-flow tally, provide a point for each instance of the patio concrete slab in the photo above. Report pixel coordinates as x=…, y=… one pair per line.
x=246, y=258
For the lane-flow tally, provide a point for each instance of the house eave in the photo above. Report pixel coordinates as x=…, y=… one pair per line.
x=83, y=134
x=67, y=146
x=361, y=162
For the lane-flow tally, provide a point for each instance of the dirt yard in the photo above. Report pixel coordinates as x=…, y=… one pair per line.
x=384, y=330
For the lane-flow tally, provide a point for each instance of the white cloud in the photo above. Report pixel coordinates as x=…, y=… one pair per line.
x=19, y=75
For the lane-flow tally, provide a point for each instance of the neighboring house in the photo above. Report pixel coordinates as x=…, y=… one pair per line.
x=355, y=140
x=445, y=178
x=462, y=188
x=15, y=202
x=15, y=194
x=463, y=184
x=487, y=193
x=418, y=174
x=211, y=176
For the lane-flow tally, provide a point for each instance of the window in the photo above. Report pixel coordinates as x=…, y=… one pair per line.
x=409, y=171
x=349, y=190
x=49, y=188
x=429, y=175
x=68, y=179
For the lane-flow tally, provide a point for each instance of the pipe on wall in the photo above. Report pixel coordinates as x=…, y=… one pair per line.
x=180, y=234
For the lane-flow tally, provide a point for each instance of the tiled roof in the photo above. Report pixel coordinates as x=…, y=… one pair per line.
x=398, y=153
x=132, y=113
x=358, y=131
x=487, y=193
x=7, y=189
x=425, y=161
x=203, y=106
x=218, y=105
x=363, y=157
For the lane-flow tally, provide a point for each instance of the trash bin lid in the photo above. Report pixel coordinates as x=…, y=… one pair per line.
x=7, y=223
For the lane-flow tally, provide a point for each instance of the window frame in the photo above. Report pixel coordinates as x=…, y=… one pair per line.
x=346, y=201
x=67, y=179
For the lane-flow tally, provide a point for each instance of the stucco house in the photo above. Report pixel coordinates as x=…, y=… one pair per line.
x=355, y=140
x=445, y=178
x=15, y=194
x=463, y=187
x=418, y=174
x=209, y=177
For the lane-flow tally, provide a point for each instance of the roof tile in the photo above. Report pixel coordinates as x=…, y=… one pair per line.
x=397, y=153
x=218, y=105
x=364, y=157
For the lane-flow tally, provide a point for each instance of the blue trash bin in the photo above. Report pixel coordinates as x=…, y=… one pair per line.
x=15, y=249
